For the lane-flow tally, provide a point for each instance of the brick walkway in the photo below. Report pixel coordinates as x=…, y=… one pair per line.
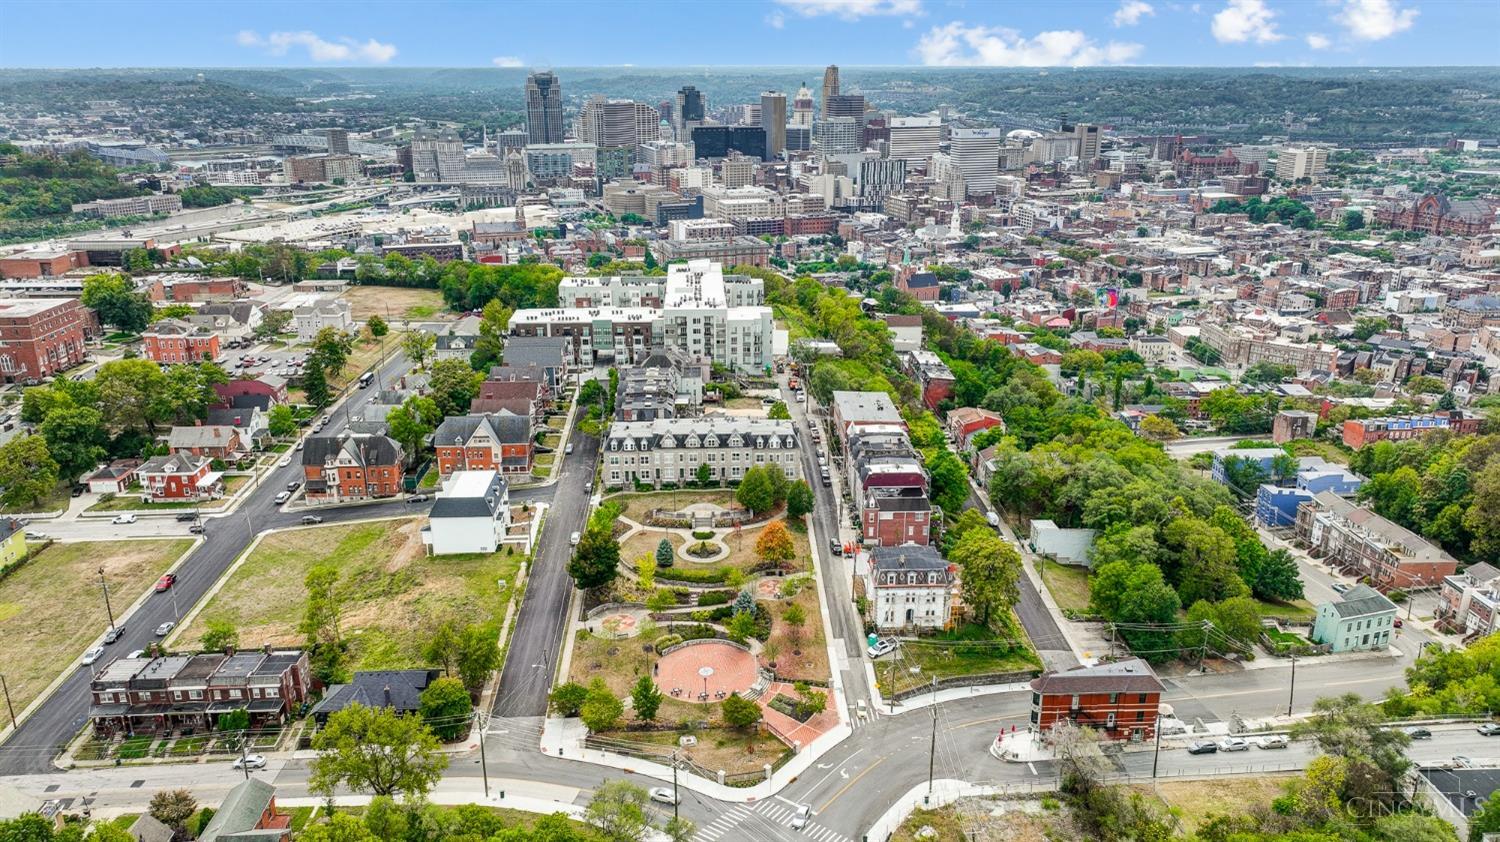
x=791, y=729
x=734, y=671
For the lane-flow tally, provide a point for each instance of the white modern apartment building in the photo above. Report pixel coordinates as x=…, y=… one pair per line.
x=695, y=309
x=669, y=451
x=1293, y=163
x=915, y=138
x=471, y=515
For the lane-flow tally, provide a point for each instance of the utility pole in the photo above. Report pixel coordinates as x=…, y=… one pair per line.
x=1156, y=759
x=107, y=609
x=675, y=797
x=244, y=766
x=1292, y=687
x=1203, y=647
x=8, y=706
x=932, y=749
x=484, y=766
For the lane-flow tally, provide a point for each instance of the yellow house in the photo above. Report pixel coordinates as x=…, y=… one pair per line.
x=12, y=542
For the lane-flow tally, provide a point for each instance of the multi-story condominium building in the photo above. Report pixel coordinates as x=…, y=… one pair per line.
x=321, y=168
x=889, y=485
x=1365, y=544
x=618, y=122
x=1296, y=163
x=737, y=171
x=544, y=110
x=649, y=290
x=499, y=442
x=741, y=250
x=698, y=230
x=665, y=385
x=471, y=514
x=913, y=587
x=352, y=467
x=841, y=135
x=131, y=206
x=190, y=692
x=663, y=154
x=699, y=314
x=1469, y=602
x=852, y=410
x=915, y=139
x=41, y=336
x=1363, y=431
x=670, y=451
x=550, y=163
x=1240, y=346
x=438, y=157
x=1119, y=699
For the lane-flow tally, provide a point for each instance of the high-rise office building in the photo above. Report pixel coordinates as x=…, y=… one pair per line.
x=737, y=171
x=976, y=153
x=915, y=139
x=688, y=113
x=510, y=139
x=773, y=120
x=617, y=122
x=719, y=141
x=1294, y=163
x=802, y=108
x=831, y=88
x=840, y=135
x=798, y=138
x=1088, y=142
x=437, y=157
x=338, y=141
x=844, y=105
x=544, y=112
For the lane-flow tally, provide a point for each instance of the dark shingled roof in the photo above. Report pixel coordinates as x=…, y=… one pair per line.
x=1129, y=676
x=369, y=689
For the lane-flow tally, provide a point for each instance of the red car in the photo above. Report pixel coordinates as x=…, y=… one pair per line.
x=166, y=582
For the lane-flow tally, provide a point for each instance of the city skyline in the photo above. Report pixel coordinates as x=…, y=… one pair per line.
x=876, y=33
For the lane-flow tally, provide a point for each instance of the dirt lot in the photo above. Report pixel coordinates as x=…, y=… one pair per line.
x=53, y=608
x=394, y=303
x=392, y=592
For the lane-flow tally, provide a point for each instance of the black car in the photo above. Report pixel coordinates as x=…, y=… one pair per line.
x=79, y=490
x=835, y=547
x=196, y=529
x=114, y=633
x=1203, y=747
x=1419, y=733
x=187, y=516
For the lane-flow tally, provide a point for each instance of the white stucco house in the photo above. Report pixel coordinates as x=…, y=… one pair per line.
x=912, y=587
x=471, y=515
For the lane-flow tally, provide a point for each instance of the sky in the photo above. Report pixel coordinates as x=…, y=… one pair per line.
x=583, y=33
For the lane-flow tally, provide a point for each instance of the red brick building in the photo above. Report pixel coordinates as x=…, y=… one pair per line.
x=270, y=387
x=193, y=288
x=171, y=341
x=1120, y=700
x=500, y=442
x=1437, y=214
x=1363, y=431
x=966, y=422
x=41, y=336
x=41, y=263
x=352, y=468
x=929, y=370
x=179, y=477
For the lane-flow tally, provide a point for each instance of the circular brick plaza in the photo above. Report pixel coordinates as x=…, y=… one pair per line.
x=680, y=674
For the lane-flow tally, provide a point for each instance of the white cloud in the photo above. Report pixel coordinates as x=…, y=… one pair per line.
x=1131, y=12
x=854, y=9
x=1375, y=20
x=343, y=50
x=1318, y=42
x=776, y=20
x=959, y=45
x=1246, y=20
x=507, y=61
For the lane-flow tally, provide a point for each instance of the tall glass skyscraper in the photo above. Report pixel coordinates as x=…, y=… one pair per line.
x=544, y=117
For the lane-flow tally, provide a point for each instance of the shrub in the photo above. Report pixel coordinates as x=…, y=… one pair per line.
x=708, y=576
x=698, y=631
x=1397, y=595
x=708, y=598
x=703, y=534
x=667, y=640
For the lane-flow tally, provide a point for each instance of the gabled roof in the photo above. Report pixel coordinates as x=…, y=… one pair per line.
x=1361, y=601
x=503, y=427
x=363, y=450
x=241, y=810
x=400, y=690
x=177, y=463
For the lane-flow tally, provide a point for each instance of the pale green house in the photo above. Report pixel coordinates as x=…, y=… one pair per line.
x=1362, y=620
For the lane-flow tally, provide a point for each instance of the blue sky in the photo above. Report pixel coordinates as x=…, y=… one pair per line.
x=526, y=33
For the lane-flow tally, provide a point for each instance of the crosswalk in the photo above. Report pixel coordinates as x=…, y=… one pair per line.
x=764, y=820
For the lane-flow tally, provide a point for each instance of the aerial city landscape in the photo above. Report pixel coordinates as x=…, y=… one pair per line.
x=843, y=420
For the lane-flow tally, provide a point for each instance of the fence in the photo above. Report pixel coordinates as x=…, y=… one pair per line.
x=612, y=606
x=966, y=681
x=701, y=640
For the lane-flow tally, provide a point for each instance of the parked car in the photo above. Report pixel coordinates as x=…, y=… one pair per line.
x=801, y=817
x=115, y=632
x=1233, y=744
x=1270, y=741
x=325, y=419
x=992, y=519
x=125, y=518
x=1489, y=729
x=835, y=547
x=1417, y=732
x=308, y=520
x=1340, y=587
x=166, y=582
x=664, y=794
x=79, y=490
x=196, y=529
x=37, y=536
x=136, y=653
x=294, y=485
x=884, y=646
x=300, y=442
x=1203, y=747
x=184, y=517
x=165, y=628
x=568, y=449
x=1398, y=622
x=574, y=538
x=417, y=498
x=250, y=761
x=285, y=461
x=282, y=497
x=93, y=655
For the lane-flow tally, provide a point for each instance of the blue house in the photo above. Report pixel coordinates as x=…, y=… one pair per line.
x=1362, y=619
x=1277, y=506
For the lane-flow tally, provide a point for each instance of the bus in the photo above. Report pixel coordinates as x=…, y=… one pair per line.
x=366, y=379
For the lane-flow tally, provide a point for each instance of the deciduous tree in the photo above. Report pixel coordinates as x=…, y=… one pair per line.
x=645, y=698
x=799, y=499
x=378, y=751
x=596, y=560
x=27, y=471
x=601, y=710
x=618, y=811
x=418, y=346
x=775, y=543
x=445, y=707
x=991, y=570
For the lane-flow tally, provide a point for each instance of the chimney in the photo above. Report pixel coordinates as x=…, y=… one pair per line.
x=388, y=695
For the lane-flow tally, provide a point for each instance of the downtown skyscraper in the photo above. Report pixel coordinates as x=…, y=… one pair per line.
x=544, y=111
x=773, y=120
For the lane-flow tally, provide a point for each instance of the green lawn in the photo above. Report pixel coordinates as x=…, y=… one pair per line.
x=1069, y=585
x=430, y=479
x=57, y=499
x=392, y=593
x=1285, y=637
x=969, y=650
x=1299, y=610
x=134, y=748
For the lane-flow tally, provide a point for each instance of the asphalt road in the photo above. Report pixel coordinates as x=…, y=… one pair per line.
x=30, y=748
x=537, y=638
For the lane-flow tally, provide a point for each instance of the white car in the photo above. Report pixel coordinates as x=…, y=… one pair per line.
x=282, y=497
x=1233, y=744
x=93, y=655
x=801, y=817
x=124, y=519
x=285, y=461
x=574, y=539
x=136, y=653
x=1270, y=741
x=882, y=647
x=250, y=761
x=664, y=794
x=165, y=628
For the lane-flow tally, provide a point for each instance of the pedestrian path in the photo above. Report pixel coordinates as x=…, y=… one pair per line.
x=764, y=820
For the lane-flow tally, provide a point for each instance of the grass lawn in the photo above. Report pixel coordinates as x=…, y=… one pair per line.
x=1299, y=610
x=551, y=440
x=134, y=748
x=52, y=609
x=545, y=460
x=741, y=550
x=637, y=505
x=366, y=352
x=187, y=746
x=807, y=658
x=55, y=500
x=392, y=591
x=132, y=502
x=430, y=479
x=1287, y=638
x=1196, y=801
x=1315, y=447
x=946, y=825
x=734, y=751
x=557, y=422
x=392, y=303
x=964, y=651
x=743, y=403
x=1069, y=585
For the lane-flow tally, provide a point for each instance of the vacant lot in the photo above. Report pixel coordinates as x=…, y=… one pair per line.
x=391, y=592
x=53, y=608
x=801, y=652
x=637, y=505
x=969, y=650
x=393, y=303
x=1069, y=585
x=1195, y=801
